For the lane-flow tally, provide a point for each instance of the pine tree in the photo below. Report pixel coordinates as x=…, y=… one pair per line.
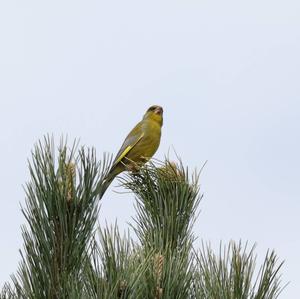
x=66, y=256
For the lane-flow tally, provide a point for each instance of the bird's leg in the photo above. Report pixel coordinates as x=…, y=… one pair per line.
x=144, y=159
x=132, y=166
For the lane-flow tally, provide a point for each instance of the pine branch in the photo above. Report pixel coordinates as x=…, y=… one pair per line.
x=62, y=258
x=117, y=266
x=230, y=274
x=61, y=211
x=167, y=202
x=166, y=206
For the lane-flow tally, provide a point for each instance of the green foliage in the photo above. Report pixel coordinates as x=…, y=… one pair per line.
x=230, y=275
x=64, y=258
x=122, y=269
x=61, y=211
x=117, y=266
x=166, y=205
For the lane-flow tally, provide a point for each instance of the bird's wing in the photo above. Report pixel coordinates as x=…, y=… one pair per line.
x=131, y=140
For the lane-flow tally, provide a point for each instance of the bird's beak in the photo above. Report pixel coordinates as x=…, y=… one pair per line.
x=158, y=110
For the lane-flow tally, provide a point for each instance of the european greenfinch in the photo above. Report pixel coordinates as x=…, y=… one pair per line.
x=139, y=146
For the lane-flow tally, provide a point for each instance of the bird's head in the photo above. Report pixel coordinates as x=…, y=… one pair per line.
x=155, y=113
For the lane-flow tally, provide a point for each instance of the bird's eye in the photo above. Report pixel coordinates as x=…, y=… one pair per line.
x=152, y=108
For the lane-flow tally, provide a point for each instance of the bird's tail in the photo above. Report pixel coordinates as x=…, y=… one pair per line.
x=107, y=181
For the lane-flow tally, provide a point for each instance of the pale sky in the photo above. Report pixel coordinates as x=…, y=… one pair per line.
x=226, y=73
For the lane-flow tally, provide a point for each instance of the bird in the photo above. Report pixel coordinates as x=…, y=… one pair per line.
x=138, y=147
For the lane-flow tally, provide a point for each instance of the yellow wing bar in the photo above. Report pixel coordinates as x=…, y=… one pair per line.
x=128, y=149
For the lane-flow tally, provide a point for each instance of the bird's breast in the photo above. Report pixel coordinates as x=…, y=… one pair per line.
x=148, y=145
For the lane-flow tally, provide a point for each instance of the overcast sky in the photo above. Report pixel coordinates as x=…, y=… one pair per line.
x=226, y=73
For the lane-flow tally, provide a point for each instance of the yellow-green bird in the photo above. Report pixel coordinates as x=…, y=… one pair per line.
x=139, y=146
